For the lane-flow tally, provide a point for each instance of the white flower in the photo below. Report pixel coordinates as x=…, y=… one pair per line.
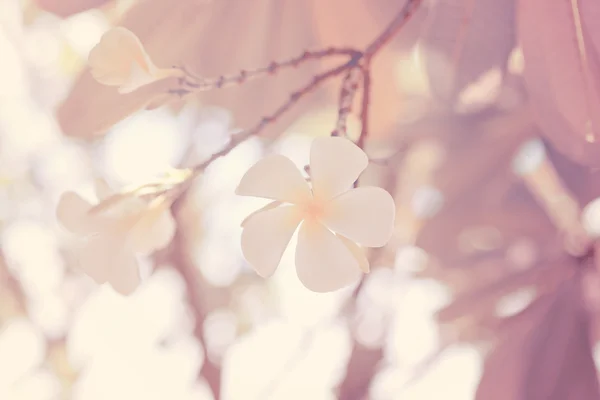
x=120, y=226
x=325, y=261
x=119, y=59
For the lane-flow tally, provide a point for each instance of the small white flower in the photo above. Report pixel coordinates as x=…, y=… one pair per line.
x=325, y=261
x=114, y=231
x=119, y=59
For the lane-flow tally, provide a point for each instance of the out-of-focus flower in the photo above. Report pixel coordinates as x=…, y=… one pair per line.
x=154, y=373
x=22, y=353
x=590, y=218
x=295, y=363
x=114, y=230
x=107, y=324
x=119, y=59
x=324, y=261
x=65, y=8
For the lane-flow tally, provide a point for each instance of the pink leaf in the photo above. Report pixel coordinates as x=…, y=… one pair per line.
x=560, y=41
x=464, y=39
x=65, y=8
x=544, y=353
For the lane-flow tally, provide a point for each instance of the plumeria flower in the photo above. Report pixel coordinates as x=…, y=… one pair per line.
x=119, y=59
x=325, y=261
x=114, y=231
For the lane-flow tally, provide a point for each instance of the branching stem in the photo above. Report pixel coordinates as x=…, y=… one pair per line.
x=358, y=59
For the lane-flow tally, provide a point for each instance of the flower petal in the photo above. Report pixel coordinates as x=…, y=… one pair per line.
x=138, y=77
x=154, y=230
x=364, y=215
x=266, y=236
x=323, y=262
x=269, y=206
x=125, y=274
x=119, y=206
x=95, y=257
x=120, y=59
x=72, y=212
x=335, y=163
x=109, y=60
x=275, y=177
x=357, y=252
x=102, y=189
x=105, y=259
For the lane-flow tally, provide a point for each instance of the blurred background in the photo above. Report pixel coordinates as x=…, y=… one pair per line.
x=462, y=304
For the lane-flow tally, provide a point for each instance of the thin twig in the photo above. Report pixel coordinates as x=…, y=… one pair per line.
x=364, y=110
x=372, y=49
x=347, y=91
x=394, y=27
x=294, y=98
x=198, y=84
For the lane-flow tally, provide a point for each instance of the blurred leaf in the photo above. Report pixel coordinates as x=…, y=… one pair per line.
x=560, y=42
x=483, y=300
x=226, y=36
x=476, y=170
x=463, y=39
x=489, y=148
x=546, y=352
x=490, y=238
x=66, y=8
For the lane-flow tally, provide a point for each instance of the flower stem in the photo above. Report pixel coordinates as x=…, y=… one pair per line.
x=198, y=84
x=293, y=99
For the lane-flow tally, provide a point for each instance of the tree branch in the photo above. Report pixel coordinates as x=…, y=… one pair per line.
x=364, y=111
x=393, y=28
x=294, y=98
x=357, y=57
x=347, y=92
x=198, y=84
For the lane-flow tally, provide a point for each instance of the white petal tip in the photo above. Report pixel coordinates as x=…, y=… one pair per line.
x=262, y=275
x=126, y=285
